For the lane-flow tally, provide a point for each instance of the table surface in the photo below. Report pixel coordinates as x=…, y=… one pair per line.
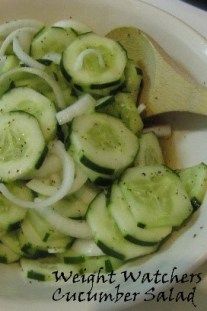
x=197, y=19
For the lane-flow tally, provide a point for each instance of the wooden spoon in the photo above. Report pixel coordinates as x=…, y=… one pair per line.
x=166, y=88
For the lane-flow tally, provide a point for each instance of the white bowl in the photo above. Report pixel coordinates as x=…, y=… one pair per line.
x=189, y=141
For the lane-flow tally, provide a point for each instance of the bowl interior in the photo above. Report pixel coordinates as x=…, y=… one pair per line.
x=189, y=142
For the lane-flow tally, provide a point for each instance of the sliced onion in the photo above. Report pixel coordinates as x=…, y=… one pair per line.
x=67, y=182
x=7, y=28
x=74, y=228
x=141, y=108
x=24, y=57
x=11, y=37
x=85, y=104
x=50, y=81
x=54, y=57
x=70, y=23
x=164, y=131
x=80, y=59
x=86, y=248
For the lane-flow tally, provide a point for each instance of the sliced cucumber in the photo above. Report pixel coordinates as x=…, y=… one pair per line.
x=52, y=240
x=11, y=240
x=87, y=193
x=51, y=39
x=111, y=240
x=31, y=244
x=104, y=102
x=10, y=62
x=35, y=83
x=22, y=145
x=94, y=61
x=80, y=251
x=11, y=215
x=150, y=152
x=105, y=264
x=103, y=143
x=32, y=102
x=194, y=180
x=126, y=108
x=79, y=27
x=42, y=269
x=156, y=196
x=71, y=208
x=7, y=255
x=124, y=219
x=133, y=80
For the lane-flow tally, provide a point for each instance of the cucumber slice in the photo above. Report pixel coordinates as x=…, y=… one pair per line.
x=31, y=244
x=87, y=193
x=22, y=145
x=11, y=240
x=79, y=27
x=42, y=269
x=99, y=93
x=94, y=61
x=80, y=251
x=35, y=83
x=71, y=208
x=30, y=101
x=133, y=79
x=76, y=205
x=104, y=263
x=150, y=152
x=126, y=108
x=156, y=196
x=11, y=215
x=124, y=219
x=103, y=143
x=34, y=245
x=52, y=239
x=11, y=62
x=104, y=102
x=7, y=255
x=51, y=39
x=194, y=180
x=111, y=241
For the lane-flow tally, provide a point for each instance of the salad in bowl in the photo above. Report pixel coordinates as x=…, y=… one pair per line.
x=84, y=184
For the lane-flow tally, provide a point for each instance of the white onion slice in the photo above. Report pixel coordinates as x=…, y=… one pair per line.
x=74, y=228
x=67, y=182
x=80, y=59
x=141, y=108
x=70, y=23
x=24, y=57
x=54, y=57
x=11, y=37
x=50, y=81
x=86, y=248
x=7, y=28
x=162, y=131
x=84, y=104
